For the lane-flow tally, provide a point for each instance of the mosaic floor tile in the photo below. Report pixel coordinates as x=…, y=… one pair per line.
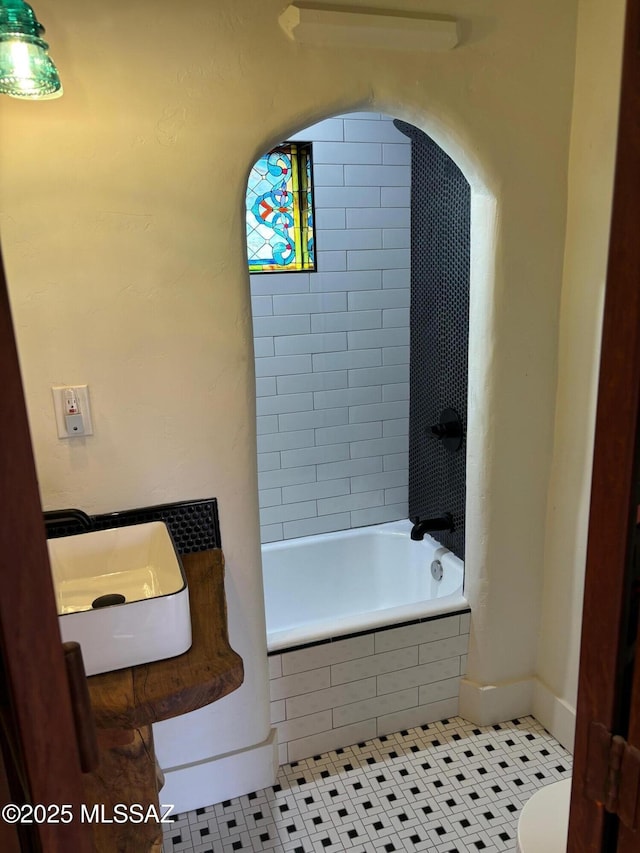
x=447, y=787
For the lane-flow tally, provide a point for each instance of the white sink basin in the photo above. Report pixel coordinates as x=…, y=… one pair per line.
x=139, y=567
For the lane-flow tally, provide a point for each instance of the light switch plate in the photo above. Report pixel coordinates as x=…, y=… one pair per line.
x=82, y=395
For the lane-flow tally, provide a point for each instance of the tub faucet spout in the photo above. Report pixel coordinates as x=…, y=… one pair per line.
x=427, y=525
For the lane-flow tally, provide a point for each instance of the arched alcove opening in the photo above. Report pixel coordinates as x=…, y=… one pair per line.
x=332, y=346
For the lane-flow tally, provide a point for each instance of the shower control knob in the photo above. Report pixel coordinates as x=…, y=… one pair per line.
x=448, y=430
x=441, y=430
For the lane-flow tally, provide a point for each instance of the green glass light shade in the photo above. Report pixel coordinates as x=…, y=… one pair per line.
x=26, y=70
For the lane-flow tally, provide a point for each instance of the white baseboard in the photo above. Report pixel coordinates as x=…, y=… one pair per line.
x=203, y=783
x=488, y=704
x=556, y=715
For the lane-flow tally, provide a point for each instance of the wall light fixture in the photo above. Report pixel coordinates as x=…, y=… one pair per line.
x=26, y=69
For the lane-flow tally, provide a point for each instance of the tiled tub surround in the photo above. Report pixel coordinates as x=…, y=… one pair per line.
x=332, y=347
x=440, y=278
x=334, y=694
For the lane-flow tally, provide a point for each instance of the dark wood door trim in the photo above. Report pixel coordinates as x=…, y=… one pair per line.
x=37, y=694
x=628, y=838
x=613, y=499
x=9, y=839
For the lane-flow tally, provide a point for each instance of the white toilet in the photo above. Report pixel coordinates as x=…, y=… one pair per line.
x=544, y=821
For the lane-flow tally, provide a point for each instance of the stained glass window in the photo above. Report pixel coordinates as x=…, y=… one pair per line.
x=280, y=211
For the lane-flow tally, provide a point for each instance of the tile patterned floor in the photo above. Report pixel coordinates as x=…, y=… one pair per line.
x=449, y=787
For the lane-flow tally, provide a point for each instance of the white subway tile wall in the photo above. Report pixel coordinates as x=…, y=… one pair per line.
x=331, y=347
x=324, y=696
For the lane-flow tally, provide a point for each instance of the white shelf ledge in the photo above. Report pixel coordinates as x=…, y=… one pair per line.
x=313, y=23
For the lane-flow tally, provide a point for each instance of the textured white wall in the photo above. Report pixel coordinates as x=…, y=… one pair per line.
x=122, y=225
x=591, y=168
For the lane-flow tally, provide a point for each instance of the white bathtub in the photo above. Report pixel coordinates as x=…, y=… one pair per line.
x=326, y=586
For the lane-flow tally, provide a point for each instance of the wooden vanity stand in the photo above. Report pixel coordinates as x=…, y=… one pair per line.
x=126, y=702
